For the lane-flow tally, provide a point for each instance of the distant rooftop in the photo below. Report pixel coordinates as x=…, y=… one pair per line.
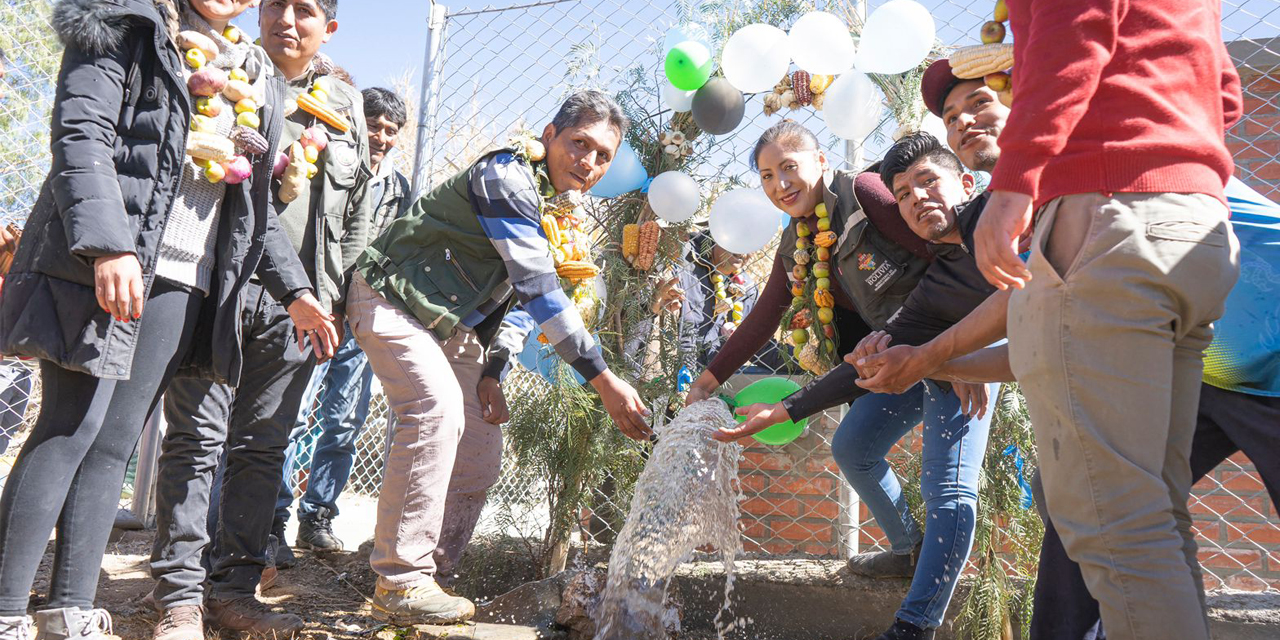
x=1259, y=55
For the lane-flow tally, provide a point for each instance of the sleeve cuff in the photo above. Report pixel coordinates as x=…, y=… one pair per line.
x=1018, y=174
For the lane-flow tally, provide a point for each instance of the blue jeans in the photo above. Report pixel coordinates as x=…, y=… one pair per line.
x=953, y=449
x=344, y=407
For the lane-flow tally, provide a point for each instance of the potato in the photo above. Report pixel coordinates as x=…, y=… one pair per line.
x=207, y=82
x=235, y=91
x=188, y=40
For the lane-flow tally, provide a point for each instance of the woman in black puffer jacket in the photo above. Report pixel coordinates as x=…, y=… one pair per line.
x=132, y=265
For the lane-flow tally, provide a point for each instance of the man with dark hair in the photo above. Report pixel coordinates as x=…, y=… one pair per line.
x=1239, y=408
x=327, y=225
x=426, y=300
x=346, y=381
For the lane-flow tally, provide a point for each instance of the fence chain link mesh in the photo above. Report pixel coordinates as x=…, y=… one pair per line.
x=509, y=67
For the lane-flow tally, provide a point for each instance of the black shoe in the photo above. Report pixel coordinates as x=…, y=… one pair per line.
x=316, y=532
x=885, y=564
x=905, y=631
x=284, y=557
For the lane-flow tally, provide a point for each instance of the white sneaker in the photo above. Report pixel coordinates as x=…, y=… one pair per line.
x=73, y=624
x=15, y=628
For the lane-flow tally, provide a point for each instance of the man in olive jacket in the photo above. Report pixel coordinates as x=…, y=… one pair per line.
x=426, y=299
x=328, y=228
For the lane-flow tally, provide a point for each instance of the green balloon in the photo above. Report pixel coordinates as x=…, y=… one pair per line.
x=770, y=391
x=688, y=65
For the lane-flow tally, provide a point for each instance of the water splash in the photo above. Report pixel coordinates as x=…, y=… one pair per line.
x=687, y=497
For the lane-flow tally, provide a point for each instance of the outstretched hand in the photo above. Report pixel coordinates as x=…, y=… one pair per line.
x=759, y=416
x=315, y=326
x=894, y=370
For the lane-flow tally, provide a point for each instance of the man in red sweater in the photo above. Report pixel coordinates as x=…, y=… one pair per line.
x=1115, y=141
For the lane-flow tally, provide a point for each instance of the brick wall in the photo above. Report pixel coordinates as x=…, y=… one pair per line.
x=1255, y=140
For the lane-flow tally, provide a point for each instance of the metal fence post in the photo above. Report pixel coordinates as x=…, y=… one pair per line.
x=144, y=482
x=429, y=100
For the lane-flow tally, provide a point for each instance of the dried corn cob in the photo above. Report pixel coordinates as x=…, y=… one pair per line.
x=969, y=63
x=818, y=83
x=308, y=103
x=800, y=84
x=563, y=204
x=209, y=146
x=577, y=270
x=647, y=245
x=552, y=230
x=630, y=241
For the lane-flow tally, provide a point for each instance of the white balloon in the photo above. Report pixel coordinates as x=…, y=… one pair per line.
x=896, y=38
x=852, y=106
x=821, y=43
x=756, y=57
x=677, y=99
x=934, y=126
x=743, y=220
x=674, y=196
x=684, y=33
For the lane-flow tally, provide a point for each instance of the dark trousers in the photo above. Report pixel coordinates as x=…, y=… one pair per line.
x=253, y=422
x=72, y=466
x=1228, y=422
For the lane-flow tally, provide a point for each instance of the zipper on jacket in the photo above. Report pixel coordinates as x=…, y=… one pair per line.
x=448, y=256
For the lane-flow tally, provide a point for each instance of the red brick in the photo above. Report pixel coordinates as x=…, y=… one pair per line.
x=1210, y=581
x=1211, y=530
x=1261, y=85
x=1258, y=104
x=766, y=506
x=793, y=485
x=1245, y=582
x=755, y=529
x=1255, y=149
x=829, y=509
x=822, y=465
x=1263, y=534
x=778, y=548
x=1231, y=558
x=1268, y=171
x=753, y=483
x=1238, y=481
x=1260, y=125
x=1228, y=506
x=765, y=461
x=803, y=531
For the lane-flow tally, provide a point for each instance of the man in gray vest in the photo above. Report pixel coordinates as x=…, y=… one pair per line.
x=425, y=302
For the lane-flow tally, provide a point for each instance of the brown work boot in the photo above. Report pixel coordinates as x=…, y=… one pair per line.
x=248, y=614
x=183, y=622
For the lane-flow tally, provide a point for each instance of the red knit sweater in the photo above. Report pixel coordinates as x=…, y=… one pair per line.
x=1118, y=96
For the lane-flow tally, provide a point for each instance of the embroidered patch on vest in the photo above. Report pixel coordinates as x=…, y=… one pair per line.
x=866, y=262
x=881, y=276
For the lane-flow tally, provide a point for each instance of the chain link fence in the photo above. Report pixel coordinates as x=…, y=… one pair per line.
x=494, y=70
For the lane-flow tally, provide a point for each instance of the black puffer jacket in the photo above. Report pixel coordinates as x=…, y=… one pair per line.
x=119, y=130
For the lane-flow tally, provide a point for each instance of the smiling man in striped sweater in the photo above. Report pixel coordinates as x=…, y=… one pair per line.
x=426, y=301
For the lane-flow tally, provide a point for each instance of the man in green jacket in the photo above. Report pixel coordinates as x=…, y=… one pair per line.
x=426, y=299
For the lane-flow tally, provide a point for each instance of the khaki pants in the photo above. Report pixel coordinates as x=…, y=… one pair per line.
x=1107, y=342
x=443, y=456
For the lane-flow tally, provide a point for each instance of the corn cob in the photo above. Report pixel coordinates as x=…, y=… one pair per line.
x=308, y=103
x=577, y=270
x=630, y=241
x=800, y=84
x=647, y=245
x=553, y=232
x=969, y=63
x=818, y=83
x=209, y=146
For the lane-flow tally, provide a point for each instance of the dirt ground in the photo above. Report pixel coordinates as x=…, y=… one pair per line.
x=329, y=591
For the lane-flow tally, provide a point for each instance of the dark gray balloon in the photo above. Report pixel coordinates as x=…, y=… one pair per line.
x=718, y=107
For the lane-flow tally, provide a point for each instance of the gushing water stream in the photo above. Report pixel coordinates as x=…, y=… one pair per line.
x=686, y=498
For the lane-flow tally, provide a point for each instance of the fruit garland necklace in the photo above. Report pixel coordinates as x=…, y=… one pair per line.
x=729, y=296
x=296, y=168
x=814, y=343
x=990, y=60
x=221, y=158
x=562, y=221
